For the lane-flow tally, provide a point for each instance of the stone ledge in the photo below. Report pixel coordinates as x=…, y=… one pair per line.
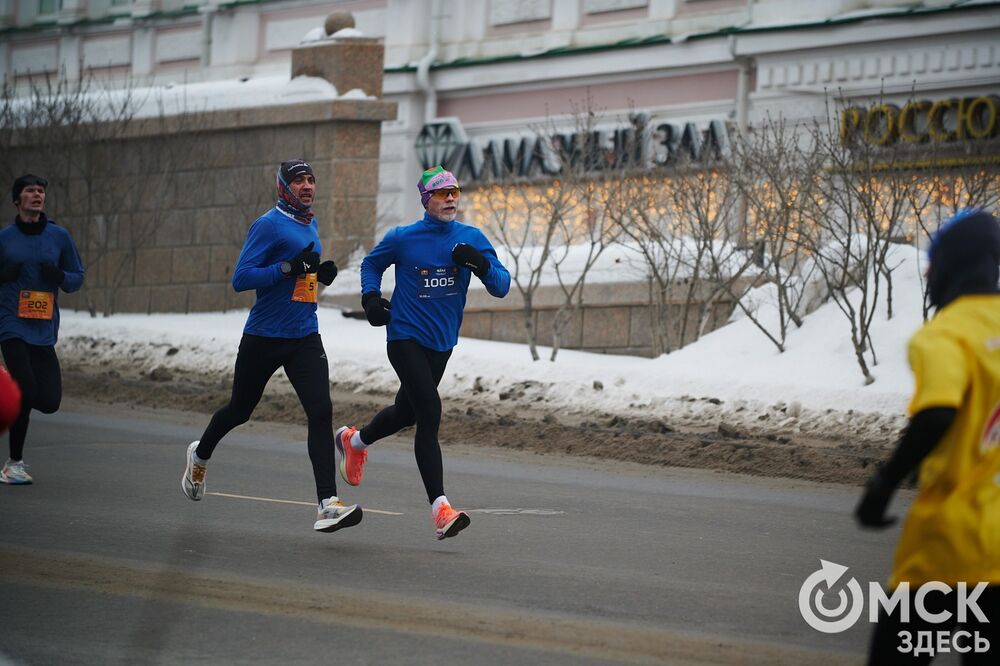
x=341, y=110
x=601, y=294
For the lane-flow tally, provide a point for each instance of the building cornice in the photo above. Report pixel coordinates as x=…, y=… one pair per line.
x=746, y=33
x=124, y=19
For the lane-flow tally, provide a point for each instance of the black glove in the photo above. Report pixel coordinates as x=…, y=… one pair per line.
x=52, y=273
x=376, y=308
x=870, y=511
x=327, y=272
x=10, y=272
x=468, y=256
x=305, y=261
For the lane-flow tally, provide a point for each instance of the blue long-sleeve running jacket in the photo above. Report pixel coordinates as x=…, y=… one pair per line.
x=53, y=245
x=430, y=292
x=276, y=237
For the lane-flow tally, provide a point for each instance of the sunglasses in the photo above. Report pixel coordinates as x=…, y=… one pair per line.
x=443, y=194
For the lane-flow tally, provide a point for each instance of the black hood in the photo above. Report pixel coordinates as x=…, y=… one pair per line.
x=964, y=257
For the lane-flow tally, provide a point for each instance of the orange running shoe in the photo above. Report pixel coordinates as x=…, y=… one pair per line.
x=352, y=461
x=450, y=522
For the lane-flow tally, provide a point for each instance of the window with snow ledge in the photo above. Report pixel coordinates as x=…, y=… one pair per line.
x=506, y=12
x=48, y=8
x=599, y=6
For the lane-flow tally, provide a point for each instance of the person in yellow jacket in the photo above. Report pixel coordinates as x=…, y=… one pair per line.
x=952, y=532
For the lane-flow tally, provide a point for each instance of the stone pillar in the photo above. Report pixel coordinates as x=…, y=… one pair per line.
x=349, y=63
x=351, y=141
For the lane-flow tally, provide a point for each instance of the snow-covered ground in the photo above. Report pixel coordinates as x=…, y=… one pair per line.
x=733, y=376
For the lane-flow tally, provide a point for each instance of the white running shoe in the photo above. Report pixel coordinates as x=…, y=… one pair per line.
x=334, y=515
x=15, y=473
x=193, y=481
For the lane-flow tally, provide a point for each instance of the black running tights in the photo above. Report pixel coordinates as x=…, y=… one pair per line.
x=306, y=365
x=36, y=371
x=417, y=402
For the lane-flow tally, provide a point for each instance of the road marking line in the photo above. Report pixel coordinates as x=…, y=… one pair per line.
x=281, y=501
x=518, y=512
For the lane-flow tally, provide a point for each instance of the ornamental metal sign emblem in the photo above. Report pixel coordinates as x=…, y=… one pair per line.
x=438, y=142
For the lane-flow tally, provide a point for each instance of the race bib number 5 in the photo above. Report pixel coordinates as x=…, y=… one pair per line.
x=35, y=305
x=305, y=289
x=437, y=282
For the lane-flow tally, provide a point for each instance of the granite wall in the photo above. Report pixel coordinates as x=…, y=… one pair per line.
x=162, y=207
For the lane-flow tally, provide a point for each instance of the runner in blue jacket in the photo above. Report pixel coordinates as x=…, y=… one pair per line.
x=280, y=260
x=37, y=259
x=434, y=259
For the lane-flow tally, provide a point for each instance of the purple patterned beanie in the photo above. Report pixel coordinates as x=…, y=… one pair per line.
x=435, y=178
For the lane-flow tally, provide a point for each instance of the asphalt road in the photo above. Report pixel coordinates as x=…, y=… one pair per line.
x=103, y=560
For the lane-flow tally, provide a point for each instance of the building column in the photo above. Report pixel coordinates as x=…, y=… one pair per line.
x=69, y=57
x=6, y=13
x=207, y=11
x=661, y=9
x=72, y=11
x=565, y=15
x=143, y=57
x=142, y=8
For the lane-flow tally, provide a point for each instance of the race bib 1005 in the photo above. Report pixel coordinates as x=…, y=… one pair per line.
x=437, y=282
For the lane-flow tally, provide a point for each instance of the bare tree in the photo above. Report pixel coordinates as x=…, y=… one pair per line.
x=101, y=181
x=63, y=129
x=585, y=228
x=855, y=212
x=536, y=216
x=680, y=221
x=648, y=225
x=589, y=228
x=776, y=178
x=160, y=147
x=45, y=124
x=525, y=225
x=944, y=184
x=704, y=198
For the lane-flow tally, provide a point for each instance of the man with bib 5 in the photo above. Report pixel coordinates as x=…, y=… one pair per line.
x=281, y=261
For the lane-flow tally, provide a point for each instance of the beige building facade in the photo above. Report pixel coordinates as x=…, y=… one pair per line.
x=496, y=70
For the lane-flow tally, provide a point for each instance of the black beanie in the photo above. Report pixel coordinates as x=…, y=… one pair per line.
x=292, y=169
x=23, y=182
x=964, y=257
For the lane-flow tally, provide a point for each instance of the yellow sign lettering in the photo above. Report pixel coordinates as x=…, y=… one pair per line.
x=880, y=124
x=908, y=122
x=941, y=121
x=935, y=120
x=981, y=117
x=850, y=122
